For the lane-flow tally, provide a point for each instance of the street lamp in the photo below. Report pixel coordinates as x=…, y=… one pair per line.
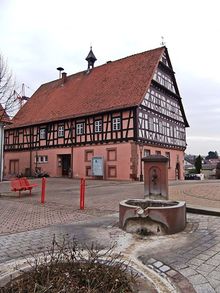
x=141, y=151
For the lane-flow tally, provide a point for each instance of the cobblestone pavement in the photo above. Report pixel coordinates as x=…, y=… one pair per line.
x=194, y=253
x=190, y=258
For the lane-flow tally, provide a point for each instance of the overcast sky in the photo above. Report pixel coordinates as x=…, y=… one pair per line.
x=38, y=36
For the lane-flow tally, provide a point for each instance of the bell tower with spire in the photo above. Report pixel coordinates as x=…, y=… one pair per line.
x=91, y=59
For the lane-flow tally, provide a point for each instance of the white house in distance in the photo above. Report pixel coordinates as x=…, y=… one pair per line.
x=4, y=119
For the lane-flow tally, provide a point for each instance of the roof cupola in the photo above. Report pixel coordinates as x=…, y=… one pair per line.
x=91, y=59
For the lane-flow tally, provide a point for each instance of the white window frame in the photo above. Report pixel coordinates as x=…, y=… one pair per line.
x=98, y=126
x=41, y=159
x=43, y=133
x=61, y=131
x=116, y=124
x=80, y=128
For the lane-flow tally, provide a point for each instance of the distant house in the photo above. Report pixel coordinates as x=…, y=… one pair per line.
x=4, y=119
x=111, y=115
x=209, y=170
x=188, y=166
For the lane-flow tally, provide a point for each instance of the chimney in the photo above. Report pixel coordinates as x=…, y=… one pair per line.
x=60, y=69
x=64, y=77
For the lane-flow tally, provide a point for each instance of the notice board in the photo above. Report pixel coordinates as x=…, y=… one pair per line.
x=97, y=166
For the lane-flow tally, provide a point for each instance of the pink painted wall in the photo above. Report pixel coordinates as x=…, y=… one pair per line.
x=121, y=161
x=121, y=164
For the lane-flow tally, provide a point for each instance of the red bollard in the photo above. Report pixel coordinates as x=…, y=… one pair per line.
x=82, y=193
x=43, y=189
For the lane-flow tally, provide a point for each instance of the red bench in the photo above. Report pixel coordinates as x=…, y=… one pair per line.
x=21, y=184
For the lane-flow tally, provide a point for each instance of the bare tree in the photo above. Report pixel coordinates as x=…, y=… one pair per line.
x=8, y=98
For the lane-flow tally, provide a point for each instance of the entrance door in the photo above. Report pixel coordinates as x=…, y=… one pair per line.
x=14, y=167
x=66, y=164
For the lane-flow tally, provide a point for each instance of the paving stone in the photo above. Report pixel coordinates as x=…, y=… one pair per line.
x=196, y=261
x=151, y=260
x=197, y=279
x=185, y=286
x=203, y=257
x=164, y=268
x=171, y=273
x=213, y=282
x=204, y=288
x=213, y=261
x=214, y=275
x=157, y=264
x=206, y=268
x=188, y=272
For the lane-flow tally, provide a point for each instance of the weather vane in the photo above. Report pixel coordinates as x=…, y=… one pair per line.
x=162, y=41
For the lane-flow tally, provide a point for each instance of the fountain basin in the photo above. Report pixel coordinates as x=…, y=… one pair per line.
x=152, y=217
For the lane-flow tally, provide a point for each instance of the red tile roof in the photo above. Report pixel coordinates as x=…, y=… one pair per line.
x=4, y=116
x=118, y=84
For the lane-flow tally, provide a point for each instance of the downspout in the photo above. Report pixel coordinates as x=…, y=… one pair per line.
x=30, y=173
x=1, y=150
x=71, y=123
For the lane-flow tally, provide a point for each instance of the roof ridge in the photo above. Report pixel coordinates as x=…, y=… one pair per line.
x=104, y=64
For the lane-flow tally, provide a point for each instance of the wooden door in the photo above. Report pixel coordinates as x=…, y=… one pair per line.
x=14, y=167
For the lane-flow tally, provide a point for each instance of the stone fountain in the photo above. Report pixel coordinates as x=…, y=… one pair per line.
x=155, y=214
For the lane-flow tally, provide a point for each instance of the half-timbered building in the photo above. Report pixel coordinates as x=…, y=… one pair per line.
x=119, y=111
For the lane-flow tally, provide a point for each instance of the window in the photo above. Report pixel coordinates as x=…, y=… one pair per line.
x=158, y=152
x=116, y=123
x=112, y=154
x=146, y=153
x=41, y=159
x=151, y=125
x=98, y=126
x=88, y=171
x=80, y=128
x=112, y=172
x=61, y=131
x=88, y=155
x=42, y=133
